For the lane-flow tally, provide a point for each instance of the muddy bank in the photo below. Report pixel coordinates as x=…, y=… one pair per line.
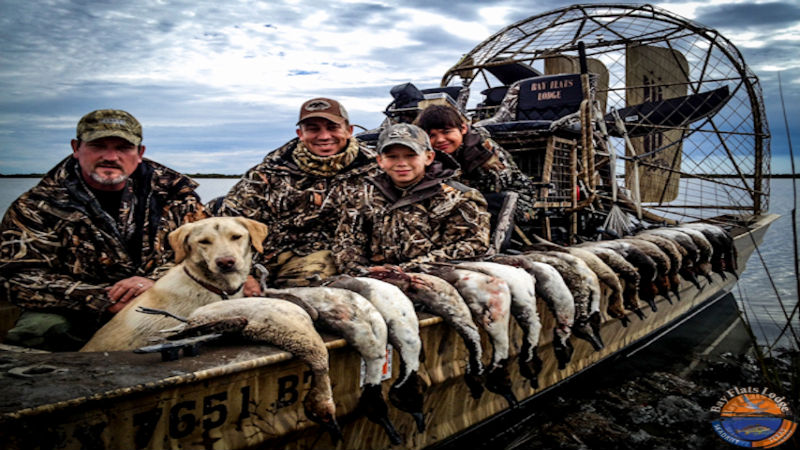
x=656, y=410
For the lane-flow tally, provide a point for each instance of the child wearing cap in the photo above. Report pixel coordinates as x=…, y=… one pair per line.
x=413, y=212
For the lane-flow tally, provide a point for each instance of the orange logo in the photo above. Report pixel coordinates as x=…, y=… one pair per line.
x=753, y=417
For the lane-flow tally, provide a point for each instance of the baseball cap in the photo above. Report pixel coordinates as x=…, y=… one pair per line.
x=323, y=107
x=109, y=122
x=404, y=134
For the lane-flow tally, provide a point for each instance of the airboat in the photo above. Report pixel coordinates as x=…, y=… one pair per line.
x=624, y=116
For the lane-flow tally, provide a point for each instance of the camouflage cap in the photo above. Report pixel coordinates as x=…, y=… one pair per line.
x=324, y=107
x=109, y=122
x=405, y=134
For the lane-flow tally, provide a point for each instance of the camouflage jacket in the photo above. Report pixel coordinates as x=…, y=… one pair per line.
x=438, y=219
x=489, y=168
x=59, y=249
x=295, y=205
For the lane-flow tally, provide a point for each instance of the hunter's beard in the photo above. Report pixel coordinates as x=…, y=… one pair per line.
x=119, y=179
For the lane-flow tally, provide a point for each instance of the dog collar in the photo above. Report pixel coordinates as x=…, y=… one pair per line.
x=222, y=293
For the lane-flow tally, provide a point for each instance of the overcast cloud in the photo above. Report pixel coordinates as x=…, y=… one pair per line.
x=217, y=85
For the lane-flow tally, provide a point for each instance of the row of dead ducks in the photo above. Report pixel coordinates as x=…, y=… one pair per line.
x=372, y=310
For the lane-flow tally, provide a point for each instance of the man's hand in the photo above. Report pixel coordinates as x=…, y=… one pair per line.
x=126, y=290
x=251, y=287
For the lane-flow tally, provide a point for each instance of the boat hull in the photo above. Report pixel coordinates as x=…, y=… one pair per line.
x=250, y=396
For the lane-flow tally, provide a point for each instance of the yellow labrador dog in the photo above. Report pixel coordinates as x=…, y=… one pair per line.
x=213, y=259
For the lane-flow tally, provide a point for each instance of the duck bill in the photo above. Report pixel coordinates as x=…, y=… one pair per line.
x=333, y=429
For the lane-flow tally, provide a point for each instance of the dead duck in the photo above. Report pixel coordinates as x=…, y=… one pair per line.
x=595, y=291
x=675, y=256
x=626, y=273
x=690, y=252
x=352, y=317
x=406, y=394
x=663, y=266
x=489, y=300
x=705, y=252
x=284, y=325
x=725, y=254
x=642, y=262
x=550, y=287
x=522, y=287
x=580, y=284
x=442, y=299
x=610, y=283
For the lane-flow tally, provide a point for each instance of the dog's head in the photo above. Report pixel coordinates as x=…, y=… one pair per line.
x=218, y=248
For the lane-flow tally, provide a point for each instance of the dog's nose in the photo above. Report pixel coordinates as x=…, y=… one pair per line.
x=226, y=263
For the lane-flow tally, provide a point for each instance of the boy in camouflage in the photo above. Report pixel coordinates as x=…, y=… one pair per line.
x=485, y=165
x=91, y=235
x=413, y=212
x=290, y=193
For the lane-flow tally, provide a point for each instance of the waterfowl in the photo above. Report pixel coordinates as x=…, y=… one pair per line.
x=644, y=264
x=442, y=299
x=284, y=325
x=724, y=248
x=684, y=242
x=662, y=261
x=675, y=256
x=609, y=280
x=595, y=292
x=705, y=252
x=489, y=300
x=626, y=274
x=582, y=291
x=352, y=317
x=406, y=393
x=550, y=287
x=522, y=287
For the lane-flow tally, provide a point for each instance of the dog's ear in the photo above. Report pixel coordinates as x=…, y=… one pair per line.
x=257, y=230
x=177, y=238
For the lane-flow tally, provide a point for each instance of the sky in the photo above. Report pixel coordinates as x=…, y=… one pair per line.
x=217, y=85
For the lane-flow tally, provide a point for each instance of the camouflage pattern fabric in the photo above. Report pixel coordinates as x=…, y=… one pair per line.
x=295, y=205
x=436, y=220
x=292, y=270
x=59, y=250
x=489, y=168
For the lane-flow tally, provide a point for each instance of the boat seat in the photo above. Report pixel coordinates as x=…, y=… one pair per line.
x=493, y=96
x=537, y=104
x=451, y=91
x=405, y=95
x=409, y=101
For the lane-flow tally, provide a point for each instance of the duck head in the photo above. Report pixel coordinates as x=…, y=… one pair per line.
x=408, y=396
x=320, y=409
x=373, y=406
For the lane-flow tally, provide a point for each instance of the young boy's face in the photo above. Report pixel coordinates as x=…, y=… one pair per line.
x=403, y=165
x=447, y=140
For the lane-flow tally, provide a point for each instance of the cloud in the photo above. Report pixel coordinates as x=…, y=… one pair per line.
x=218, y=84
x=744, y=16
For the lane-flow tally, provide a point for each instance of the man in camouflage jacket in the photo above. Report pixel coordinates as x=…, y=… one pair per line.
x=92, y=234
x=290, y=193
x=412, y=220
